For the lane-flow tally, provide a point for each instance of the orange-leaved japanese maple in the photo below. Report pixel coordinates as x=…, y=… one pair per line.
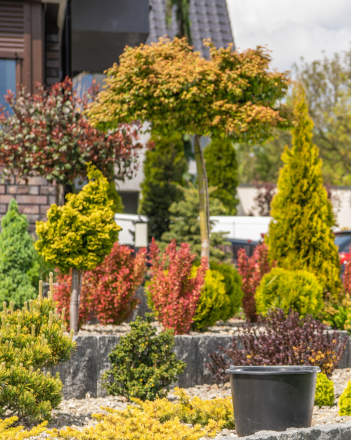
x=233, y=94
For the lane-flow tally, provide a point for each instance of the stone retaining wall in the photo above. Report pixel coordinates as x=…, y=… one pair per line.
x=82, y=373
x=340, y=431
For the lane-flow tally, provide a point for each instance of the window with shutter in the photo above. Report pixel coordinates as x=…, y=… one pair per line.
x=11, y=29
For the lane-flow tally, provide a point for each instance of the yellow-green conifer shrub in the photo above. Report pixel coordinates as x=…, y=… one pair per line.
x=9, y=432
x=213, y=300
x=80, y=233
x=300, y=234
x=324, y=391
x=188, y=419
x=345, y=401
x=31, y=339
x=298, y=290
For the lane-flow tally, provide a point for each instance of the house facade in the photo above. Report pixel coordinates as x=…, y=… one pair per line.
x=45, y=41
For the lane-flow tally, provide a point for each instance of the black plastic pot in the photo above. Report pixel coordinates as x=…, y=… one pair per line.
x=272, y=398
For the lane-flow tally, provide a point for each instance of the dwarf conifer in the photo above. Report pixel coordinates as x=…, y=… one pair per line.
x=164, y=167
x=18, y=266
x=222, y=172
x=185, y=224
x=300, y=234
x=32, y=339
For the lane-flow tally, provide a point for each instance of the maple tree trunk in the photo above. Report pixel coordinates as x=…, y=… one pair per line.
x=203, y=199
x=60, y=194
x=77, y=278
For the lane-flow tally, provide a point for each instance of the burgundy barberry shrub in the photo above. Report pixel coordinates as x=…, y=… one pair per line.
x=109, y=291
x=284, y=340
x=172, y=290
x=252, y=270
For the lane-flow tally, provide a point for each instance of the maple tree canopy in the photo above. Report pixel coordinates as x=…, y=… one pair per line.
x=233, y=94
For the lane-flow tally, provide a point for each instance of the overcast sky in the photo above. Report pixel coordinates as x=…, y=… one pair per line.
x=292, y=28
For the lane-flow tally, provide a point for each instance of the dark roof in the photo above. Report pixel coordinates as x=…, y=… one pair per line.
x=209, y=19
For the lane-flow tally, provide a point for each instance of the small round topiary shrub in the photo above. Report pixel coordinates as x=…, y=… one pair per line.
x=324, y=391
x=232, y=284
x=143, y=364
x=297, y=290
x=345, y=401
x=213, y=300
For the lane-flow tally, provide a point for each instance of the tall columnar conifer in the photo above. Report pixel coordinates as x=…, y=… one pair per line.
x=222, y=172
x=300, y=234
x=164, y=167
x=185, y=225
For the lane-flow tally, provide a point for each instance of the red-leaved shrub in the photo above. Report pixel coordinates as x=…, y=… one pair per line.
x=252, y=270
x=62, y=294
x=283, y=340
x=347, y=276
x=172, y=290
x=108, y=292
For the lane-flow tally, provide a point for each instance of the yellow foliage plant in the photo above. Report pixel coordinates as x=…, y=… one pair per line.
x=7, y=432
x=81, y=233
x=158, y=420
x=213, y=300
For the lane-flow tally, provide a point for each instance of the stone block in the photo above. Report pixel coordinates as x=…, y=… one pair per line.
x=5, y=198
x=48, y=190
x=3, y=209
x=2, y=189
x=28, y=209
x=105, y=345
x=44, y=209
x=339, y=431
x=34, y=181
x=52, y=200
x=195, y=351
x=32, y=200
x=80, y=374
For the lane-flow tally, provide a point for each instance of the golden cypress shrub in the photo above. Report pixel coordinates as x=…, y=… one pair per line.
x=189, y=419
x=324, y=391
x=345, y=401
x=300, y=234
x=9, y=432
x=213, y=300
x=297, y=290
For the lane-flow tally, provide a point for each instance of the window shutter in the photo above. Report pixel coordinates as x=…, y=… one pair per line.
x=11, y=28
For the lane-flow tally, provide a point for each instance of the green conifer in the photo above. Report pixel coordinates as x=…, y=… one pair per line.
x=222, y=172
x=113, y=195
x=32, y=340
x=164, y=168
x=185, y=224
x=19, y=269
x=300, y=235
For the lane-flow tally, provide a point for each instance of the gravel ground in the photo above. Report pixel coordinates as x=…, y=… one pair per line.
x=77, y=413
x=231, y=327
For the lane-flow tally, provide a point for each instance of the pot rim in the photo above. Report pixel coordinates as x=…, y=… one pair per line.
x=272, y=370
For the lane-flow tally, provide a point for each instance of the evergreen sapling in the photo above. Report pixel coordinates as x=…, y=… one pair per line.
x=143, y=363
x=18, y=266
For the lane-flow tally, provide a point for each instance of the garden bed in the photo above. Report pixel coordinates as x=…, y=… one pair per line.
x=326, y=422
